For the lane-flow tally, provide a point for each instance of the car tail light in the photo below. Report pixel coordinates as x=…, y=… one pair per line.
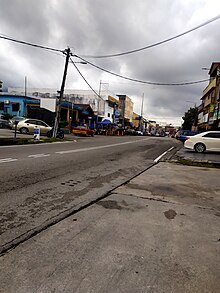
x=187, y=137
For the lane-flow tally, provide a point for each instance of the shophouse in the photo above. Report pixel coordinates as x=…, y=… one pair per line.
x=16, y=105
x=126, y=108
x=209, y=112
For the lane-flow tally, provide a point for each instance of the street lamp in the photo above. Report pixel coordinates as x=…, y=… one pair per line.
x=79, y=62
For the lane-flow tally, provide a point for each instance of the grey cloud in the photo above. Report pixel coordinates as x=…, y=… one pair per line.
x=105, y=27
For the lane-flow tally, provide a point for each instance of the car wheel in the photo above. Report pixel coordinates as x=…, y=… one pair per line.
x=24, y=130
x=199, y=147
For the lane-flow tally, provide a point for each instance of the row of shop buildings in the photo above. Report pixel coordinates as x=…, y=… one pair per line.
x=209, y=109
x=77, y=107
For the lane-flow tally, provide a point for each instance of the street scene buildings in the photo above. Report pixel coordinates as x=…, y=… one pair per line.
x=110, y=182
x=209, y=109
x=78, y=107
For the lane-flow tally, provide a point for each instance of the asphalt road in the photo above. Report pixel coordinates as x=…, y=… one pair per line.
x=42, y=184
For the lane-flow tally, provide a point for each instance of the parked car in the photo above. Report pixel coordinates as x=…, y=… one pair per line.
x=138, y=132
x=182, y=134
x=129, y=131
x=83, y=131
x=27, y=126
x=15, y=118
x=4, y=123
x=205, y=141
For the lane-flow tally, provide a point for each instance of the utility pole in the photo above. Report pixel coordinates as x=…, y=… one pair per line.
x=25, y=96
x=61, y=92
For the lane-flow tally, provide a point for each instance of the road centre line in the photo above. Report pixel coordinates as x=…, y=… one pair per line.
x=163, y=154
x=7, y=160
x=38, y=155
x=98, y=147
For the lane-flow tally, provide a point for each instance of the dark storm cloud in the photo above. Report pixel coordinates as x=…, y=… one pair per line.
x=106, y=27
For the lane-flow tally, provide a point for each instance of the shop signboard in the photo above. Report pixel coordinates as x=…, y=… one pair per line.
x=205, y=118
x=212, y=108
x=200, y=118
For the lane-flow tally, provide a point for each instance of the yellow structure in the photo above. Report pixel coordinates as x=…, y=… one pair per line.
x=126, y=106
x=209, y=113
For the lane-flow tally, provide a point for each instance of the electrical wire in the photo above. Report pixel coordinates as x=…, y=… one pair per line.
x=85, y=79
x=2, y=36
x=155, y=44
x=142, y=81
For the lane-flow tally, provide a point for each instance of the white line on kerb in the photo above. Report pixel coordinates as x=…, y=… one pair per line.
x=163, y=154
x=98, y=147
x=7, y=160
x=38, y=155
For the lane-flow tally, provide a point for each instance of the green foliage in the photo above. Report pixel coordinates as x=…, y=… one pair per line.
x=7, y=116
x=63, y=124
x=190, y=118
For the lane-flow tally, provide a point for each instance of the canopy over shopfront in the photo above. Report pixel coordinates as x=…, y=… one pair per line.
x=105, y=122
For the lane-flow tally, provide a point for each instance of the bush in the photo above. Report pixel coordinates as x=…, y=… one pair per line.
x=63, y=124
x=6, y=116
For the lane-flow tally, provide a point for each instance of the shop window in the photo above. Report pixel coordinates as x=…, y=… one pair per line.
x=1, y=106
x=15, y=107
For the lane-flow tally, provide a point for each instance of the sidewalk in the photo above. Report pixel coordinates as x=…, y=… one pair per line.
x=212, y=158
x=7, y=137
x=158, y=233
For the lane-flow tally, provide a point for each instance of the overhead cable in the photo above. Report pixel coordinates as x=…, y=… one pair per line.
x=142, y=81
x=85, y=79
x=2, y=36
x=155, y=44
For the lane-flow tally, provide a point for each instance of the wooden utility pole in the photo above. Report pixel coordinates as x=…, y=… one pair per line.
x=25, y=96
x=61, y=92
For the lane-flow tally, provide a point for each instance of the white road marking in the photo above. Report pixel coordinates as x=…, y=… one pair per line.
x=39, y=156
x=7, y=160
x=163, y=154
x=98, y=147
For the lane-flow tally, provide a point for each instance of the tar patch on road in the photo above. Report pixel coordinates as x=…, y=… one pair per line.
x=170, y=214
x=109, y=204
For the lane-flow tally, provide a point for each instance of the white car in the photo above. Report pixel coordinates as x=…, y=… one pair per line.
x=205, y=141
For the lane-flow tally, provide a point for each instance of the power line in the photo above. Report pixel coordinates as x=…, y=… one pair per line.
x=142, y=81
x=155, y=44
x=85, y=79
x=2, y=36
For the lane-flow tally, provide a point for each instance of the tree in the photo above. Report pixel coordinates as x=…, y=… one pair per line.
x=190, y=118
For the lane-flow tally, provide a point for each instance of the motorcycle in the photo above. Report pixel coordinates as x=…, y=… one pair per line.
x=60, y=133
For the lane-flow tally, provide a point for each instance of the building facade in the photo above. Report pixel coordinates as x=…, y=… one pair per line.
x=126, y=107
x=16, y=105
x=208, y=111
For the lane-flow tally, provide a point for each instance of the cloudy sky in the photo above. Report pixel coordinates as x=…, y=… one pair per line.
x=103, y=27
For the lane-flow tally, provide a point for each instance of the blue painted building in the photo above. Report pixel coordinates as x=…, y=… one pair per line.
x=16, y=105
x=19, y=105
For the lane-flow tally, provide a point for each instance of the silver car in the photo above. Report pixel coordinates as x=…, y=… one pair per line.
x=14, y=119
x=27, y=126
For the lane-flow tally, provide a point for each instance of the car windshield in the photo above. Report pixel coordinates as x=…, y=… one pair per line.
x=17, y=118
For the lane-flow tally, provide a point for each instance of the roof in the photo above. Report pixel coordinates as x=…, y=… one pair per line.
x=214, y=66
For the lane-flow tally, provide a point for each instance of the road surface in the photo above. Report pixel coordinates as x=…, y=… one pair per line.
x=43, y=184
